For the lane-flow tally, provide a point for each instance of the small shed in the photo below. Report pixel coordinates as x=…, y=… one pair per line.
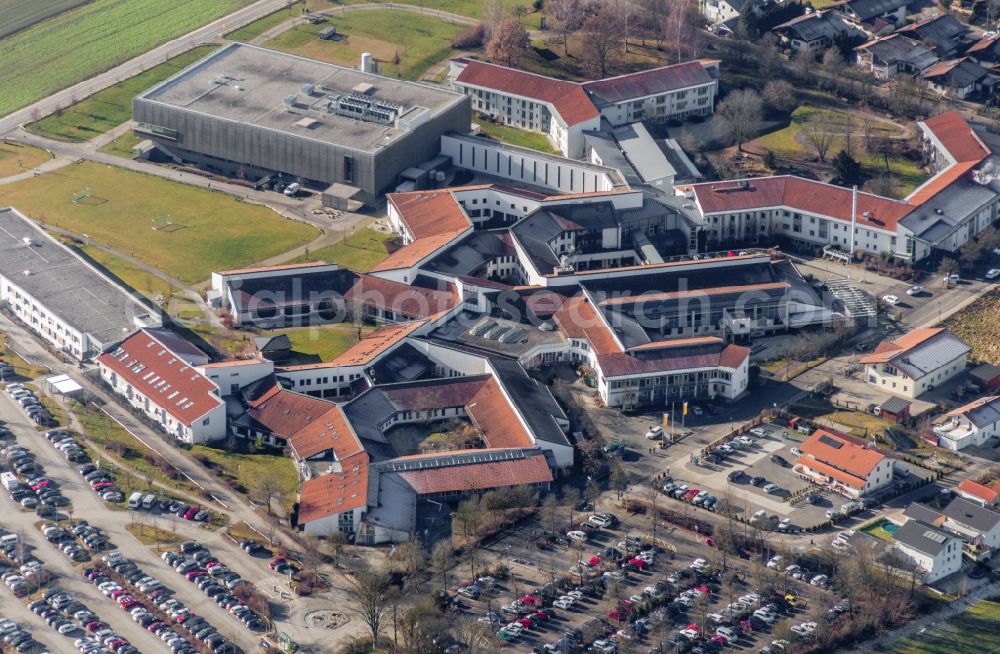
x=987, y=376
x=895, y=410
x=328, y=34
x=274, y=348
x=63, y=385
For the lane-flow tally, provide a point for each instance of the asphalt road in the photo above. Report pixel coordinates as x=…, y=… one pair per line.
x=210, y=32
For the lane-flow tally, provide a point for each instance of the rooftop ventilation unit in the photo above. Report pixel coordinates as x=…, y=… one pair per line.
x=308, y=89
x=290, y=101
x=366, y=108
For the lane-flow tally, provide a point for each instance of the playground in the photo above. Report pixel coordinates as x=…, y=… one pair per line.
x=182, y=230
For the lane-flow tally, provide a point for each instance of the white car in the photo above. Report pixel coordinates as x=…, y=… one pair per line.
x=745, y=441
x=890, y=299
x=800, y=630
x=775, y=562
x=563, y=603
x=993, y=273
x=716, y=618
x=698, y=564
x=915, y=290
x=809, y=626
x=578, y=536
x=819, y=580
x=796, y=451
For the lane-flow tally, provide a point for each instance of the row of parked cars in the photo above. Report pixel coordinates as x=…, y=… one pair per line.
x=27, y=483
x=17, y=638
x=71, y=617
x=198, y=566
x=76, y=541
x=685, y=493
x=101, y=482
x=28, y=401
x=67, y=446
x=153, y=607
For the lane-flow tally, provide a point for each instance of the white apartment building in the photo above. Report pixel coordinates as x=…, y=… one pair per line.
x=916, y=362
x=935, y=553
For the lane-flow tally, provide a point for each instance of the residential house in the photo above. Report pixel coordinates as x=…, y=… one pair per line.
x=972, y=424
x=979, y=493
x=943, y=34
x=935, y=552
x=890, y=56
x=985, y=51
x=274, y=348
x=978, y=525
x=719, y=11
x=156, y=372
x=958, y=78
x=843, y=464
x=815, y=31
x=872, y=15
x=916, y=362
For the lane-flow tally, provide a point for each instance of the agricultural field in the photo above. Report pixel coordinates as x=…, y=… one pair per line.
x=111, y=107
x=16, y=158
x=21, y=14
x=975, y=630
x=80, y=43
x=360, y=251
x=515, y=136
x=792, y=143
x=418, y=41
x=976, y=324
x=200, y=230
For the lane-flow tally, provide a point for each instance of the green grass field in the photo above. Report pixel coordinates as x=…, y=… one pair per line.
x=21, y=14
x=80, y=43
x=515, y=136
x=419, y=41
x=360, y=251
x=245, y=469
x=15, y=158
x=252, y=30
x=975, y=630
x=111, y=107
x=122, y=146
x=210, y=231
x=789, y=143
x=321, y=343
x=138, y=279
x=471, y=8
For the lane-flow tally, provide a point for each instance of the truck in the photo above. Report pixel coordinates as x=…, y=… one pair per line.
x=135, y=500
x=9, y=480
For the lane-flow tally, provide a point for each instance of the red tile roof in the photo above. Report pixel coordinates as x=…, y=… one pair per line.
x=413, y=253
x=430, y=213
x=649, y=82
x=411, y=301
x=335, y=493
x=568, y=98
x=835, y=450
x=801, y=194
x=957, y=137
x=680, y=342
x=719, y=290
x=843, y=477
x=578, y=318
x=979, y=491
x=309, y=425
x=167, y=380
x=887, y=350
x=940, y=182
x=372, y=345
x=620, y=364
x=479, y=476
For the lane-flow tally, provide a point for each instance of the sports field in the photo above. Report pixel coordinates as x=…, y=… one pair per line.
x=418, y=41
x=77, y=44
x=200, y=230
x=975, y=630
x=111, y=107
x=16, y=15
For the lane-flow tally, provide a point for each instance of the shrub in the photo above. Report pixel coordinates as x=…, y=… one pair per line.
x=471, y=37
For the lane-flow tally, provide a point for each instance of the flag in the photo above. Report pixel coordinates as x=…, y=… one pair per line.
x=666, y=419
x=685, y=409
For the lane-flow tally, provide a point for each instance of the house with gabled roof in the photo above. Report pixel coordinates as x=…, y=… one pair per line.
x=843, y=464
x=972, y=424
x=936, y=553
x=916, y=362
x=979, y=493
x=890, y=56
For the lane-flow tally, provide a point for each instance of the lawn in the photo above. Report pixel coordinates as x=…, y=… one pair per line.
x=149, y=285
x=976, y=324
x=858, y=423
x=111, y=107
x=882, y=529
x=209, y=230
x=789, y=143
x=246, y=469
x=360, y=251
x=470, y=8
x=548, y=58
x=148, y=534
x=320, y=343
x=21, y=14
x=95, y=37
x=16, y=158
x=21, y=367
x=515, y=136
x=975, y=630
x=418, y=41
x=252, y=30
x=122, y=146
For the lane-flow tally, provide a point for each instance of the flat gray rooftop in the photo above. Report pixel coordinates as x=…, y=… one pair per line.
x=249, y=84
x=67, y=286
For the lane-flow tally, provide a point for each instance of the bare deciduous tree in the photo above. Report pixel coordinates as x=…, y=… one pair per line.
x=565, y=16
x=602, y=33
x=508, y=43
x=737, y=114
x=370, y=600
x=819, y=137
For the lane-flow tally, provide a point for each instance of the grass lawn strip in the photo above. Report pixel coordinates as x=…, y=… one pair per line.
x=519, y=137
x=360, y=251
x=209, y=231
x=246, y=469
x=111, y=107
x=320, y=343
x=142, y=281
x=148, y=534
x=975, y=630
x=78, y=44
x=418, y=41
x=16, y=158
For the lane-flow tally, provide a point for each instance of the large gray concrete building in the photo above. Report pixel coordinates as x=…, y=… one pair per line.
x=252, y=111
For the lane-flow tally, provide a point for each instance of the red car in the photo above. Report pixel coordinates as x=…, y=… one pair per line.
x=526, y=622
x=194, y=574
x=99, y=485
x=276, y=562
x=539, y=616
x=688, y=496
x=639, y=563
x=40, y=485
x=191, y=513
x=529, y=600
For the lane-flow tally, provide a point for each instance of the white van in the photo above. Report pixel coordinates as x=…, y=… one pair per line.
x=148, y=501
x=9, y=480
x=578, y=536
x=293, y=189
x=7, y=540
x=135, y=500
